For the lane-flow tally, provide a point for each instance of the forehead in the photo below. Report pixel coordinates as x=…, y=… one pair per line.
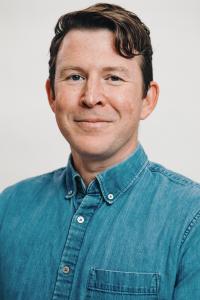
x=87, y=39
x=91, y=46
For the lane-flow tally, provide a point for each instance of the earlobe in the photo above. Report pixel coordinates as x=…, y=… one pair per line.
x=50, y=96
x=150, y=101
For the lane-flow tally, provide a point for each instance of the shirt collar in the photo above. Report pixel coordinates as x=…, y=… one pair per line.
x=72, y=178
x=113, y=181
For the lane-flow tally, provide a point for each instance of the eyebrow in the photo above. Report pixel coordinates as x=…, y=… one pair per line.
x=105, y=69
x=118, y=69
x=68, y=68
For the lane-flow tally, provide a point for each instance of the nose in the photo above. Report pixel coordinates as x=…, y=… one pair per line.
x=92, y=93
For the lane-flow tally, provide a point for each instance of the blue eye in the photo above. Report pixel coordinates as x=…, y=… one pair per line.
x=75, y=77
x=115, y=78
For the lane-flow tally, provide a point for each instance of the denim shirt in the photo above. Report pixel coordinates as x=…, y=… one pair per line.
x=132, y=233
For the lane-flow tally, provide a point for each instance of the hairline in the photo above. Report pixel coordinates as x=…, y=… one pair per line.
x=82, y=28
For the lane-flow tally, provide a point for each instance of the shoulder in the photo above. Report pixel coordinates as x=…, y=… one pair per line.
x=171, y=179
x=176, y=191
x=173, y=183
x=33, y=185
x=177, y=197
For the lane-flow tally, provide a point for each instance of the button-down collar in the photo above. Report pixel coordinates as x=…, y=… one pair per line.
x=111, y=182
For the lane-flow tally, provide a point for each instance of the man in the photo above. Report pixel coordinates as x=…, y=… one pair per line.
x=111, y=225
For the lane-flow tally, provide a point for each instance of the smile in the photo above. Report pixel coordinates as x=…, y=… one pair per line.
x=93, y=124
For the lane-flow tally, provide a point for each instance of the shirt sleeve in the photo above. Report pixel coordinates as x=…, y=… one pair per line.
x=188, y=278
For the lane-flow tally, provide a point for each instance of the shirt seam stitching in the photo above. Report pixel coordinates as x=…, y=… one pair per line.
x=193, y=222
x=176, y=178
x=127, y=186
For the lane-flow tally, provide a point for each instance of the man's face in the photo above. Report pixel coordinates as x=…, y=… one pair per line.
x=98, y=96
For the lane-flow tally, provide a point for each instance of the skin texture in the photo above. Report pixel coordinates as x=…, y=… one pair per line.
x=98, y=100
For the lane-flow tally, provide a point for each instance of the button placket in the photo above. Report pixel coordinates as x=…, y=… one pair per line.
x=73, y=245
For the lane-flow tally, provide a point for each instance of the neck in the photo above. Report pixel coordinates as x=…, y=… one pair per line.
x=88, y=166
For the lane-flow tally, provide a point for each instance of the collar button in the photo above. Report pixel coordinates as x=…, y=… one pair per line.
x=110, y=196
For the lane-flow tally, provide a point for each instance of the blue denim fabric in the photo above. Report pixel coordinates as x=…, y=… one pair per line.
x=133, y=233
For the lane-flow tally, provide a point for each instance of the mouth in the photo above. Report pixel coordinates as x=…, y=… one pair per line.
x=93, y=123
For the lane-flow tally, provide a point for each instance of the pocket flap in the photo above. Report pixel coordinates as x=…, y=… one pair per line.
x=123, y=282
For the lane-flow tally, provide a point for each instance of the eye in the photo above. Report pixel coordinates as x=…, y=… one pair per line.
x=114, y=78
x=75, y=77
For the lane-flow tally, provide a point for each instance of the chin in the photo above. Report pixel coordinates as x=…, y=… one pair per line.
x=91, y=151
x=91, y=144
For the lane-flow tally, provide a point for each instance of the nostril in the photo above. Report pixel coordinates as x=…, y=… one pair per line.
x=86, y=105
x=89, y=103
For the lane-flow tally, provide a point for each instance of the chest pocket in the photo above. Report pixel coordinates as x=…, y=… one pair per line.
x=107, y=285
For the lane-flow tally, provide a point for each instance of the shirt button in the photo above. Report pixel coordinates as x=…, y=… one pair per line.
x=110, y=196
x=80, y=219
x=66, y=269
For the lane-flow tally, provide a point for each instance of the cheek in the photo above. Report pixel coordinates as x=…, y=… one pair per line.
x=66, y=100
x=61, y=105
x=127, y=103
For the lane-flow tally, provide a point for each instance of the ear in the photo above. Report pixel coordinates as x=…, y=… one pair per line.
x=50, y=95
x=150, y=100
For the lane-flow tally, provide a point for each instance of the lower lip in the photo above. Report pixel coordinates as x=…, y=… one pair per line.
x=93, y=125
